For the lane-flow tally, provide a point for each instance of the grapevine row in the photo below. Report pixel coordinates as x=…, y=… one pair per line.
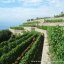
x=13, y=54
x=31, y=53
x=56, y=44
x=12, y=45
x=12, y=40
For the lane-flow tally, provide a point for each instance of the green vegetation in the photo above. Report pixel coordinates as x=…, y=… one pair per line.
x=26, y=48
x=8, y=46
x=55, y=20
x=17, y=28
x=11, y=40
x=32, y=23
x=4, y=35
x=45, y=27
x=56, y=44
x=10, y=50
x=31, y=54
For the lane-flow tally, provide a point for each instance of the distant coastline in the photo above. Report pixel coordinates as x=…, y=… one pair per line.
x=6, y=25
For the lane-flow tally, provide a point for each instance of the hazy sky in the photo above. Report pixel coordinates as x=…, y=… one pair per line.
x=17, y=10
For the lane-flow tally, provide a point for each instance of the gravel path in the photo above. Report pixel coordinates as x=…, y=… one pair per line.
x=53, y=24
x=45, y=57
x=44, y=23
x=16, y=32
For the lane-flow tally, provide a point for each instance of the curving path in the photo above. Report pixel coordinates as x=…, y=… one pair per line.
x=53, y=23
x=44, y=23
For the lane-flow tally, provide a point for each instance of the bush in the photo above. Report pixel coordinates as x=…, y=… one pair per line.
x=4, y=35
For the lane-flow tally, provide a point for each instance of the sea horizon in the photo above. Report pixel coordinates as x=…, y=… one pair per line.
x=6, y=25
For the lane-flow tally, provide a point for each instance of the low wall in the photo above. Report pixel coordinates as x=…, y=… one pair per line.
x=16, y=32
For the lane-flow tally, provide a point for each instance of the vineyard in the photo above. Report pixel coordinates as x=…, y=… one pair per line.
x=17, y=28
x=55, y=20
x=22, y=49
x=32, y=47
x=56, y=44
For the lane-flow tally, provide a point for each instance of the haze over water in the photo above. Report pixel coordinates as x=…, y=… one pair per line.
x=8, y=24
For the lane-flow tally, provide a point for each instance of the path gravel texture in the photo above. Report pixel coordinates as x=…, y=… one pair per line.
x=53, y=24
x=16, y=32
x=45, y=57
x=44, y=23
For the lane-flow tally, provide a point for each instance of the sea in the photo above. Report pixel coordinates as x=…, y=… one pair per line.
x=7, y=24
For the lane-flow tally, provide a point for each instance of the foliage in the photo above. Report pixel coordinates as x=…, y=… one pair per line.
x=17, y=28
x=30, y=54
x=12, y=39
x=55, y=20
x=45, y=27
x=32, y=24
x=56, y=42
x=11, y=56
x=8, y=46
x=4, y=35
